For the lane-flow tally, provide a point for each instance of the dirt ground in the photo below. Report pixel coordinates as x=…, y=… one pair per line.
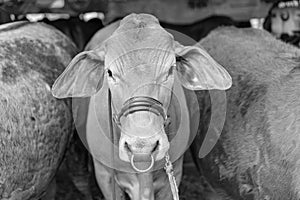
x=191, y=187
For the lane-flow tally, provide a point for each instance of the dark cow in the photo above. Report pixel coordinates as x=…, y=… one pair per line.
x=200, y=29
x=35, y=128
x=257, y=156
x=76, y=29
x=128, y=70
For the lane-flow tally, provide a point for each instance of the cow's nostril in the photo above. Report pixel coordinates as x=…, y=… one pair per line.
x=156, y=146
x=141, y=147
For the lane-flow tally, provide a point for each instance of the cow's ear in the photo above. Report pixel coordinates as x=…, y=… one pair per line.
x=197, y=70
x=83, y=77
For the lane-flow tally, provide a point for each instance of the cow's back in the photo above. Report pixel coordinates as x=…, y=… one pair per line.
x=79, y=31
x=257, y=155
x=34, y=126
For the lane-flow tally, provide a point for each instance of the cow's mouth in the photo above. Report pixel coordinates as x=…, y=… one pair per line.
x=141, y=150
x=141, y=162
x=141, y=168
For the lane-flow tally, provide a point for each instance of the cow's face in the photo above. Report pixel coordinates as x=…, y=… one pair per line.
x=285, y=21
x=139, y=62
x=140, y=59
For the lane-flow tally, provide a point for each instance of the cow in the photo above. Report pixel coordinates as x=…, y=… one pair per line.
x=257, y=154
x=35, y=127
x=79, y=31
x=200, y=29
x=122, y=88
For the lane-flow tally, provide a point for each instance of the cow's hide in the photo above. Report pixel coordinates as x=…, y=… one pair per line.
x=200, y=29
x=34, y=126
x=79, y=31
x=257, y=155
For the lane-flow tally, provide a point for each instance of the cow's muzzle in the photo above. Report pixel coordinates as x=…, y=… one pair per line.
x=142, y=142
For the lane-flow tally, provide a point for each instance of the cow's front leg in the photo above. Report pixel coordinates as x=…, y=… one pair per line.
x=104, y=177
x=77, y=163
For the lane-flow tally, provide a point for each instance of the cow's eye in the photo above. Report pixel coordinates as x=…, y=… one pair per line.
x=110, y=74
x=168, y=74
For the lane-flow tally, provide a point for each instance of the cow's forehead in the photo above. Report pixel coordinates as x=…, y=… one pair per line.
x=134, y=21
x=139, y=39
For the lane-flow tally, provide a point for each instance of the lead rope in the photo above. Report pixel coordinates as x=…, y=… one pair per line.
x=111, y=127
x=170, y=172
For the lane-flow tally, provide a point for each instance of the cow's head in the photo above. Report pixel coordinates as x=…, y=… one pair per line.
x=140, y=59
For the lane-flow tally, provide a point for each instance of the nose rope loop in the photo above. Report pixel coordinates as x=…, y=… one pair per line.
x=141, y=170
x=141, y=103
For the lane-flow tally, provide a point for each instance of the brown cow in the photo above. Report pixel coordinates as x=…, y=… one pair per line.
x=257, y=156
x=137, y=64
